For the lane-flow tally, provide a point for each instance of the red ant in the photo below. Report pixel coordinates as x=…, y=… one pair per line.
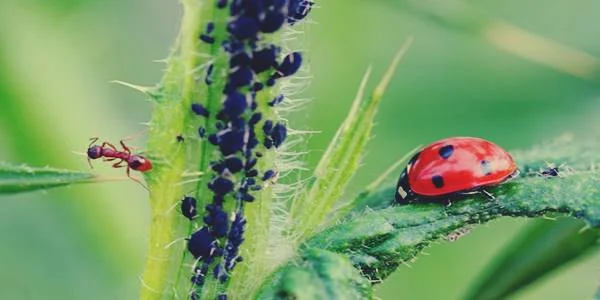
x=109, y=152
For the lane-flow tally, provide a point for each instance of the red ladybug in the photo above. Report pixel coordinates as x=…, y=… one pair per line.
x=453, y=167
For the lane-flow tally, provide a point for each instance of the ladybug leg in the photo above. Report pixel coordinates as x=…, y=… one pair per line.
x=488, y=194
x=514, y=175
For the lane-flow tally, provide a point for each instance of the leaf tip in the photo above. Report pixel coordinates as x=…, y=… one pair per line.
x=387, y=77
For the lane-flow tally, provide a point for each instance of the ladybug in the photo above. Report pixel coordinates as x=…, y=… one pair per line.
x=454, y=167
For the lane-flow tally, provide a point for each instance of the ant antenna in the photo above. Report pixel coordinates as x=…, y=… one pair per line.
x=92, y=141
x=90, y=162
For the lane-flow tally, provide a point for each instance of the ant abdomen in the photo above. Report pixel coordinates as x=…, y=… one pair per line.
x=139, y=163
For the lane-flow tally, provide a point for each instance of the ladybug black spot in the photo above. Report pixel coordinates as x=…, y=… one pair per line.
x=486, y=168
x=446, y=151
x=438, y=181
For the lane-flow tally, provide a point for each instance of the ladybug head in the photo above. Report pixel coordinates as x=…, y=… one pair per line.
x=403, y=192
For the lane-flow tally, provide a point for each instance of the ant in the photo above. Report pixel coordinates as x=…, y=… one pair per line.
x=109, y=152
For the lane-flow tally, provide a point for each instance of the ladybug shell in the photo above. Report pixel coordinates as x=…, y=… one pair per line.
x=454, y=165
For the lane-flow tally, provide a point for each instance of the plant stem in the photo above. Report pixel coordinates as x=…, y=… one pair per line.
x=183, y=85
x=249, y=274
x=166, y=225
x=171, y=117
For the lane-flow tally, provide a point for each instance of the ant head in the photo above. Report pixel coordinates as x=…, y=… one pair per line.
x=94, y=152
x=139, y=163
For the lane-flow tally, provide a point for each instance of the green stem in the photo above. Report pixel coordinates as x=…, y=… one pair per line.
x=219, y=58
x=248, y=275
x=166, y=271
x=166, y=226
x=171, y=117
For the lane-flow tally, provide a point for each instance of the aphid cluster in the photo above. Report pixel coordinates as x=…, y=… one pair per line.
x=241, y=127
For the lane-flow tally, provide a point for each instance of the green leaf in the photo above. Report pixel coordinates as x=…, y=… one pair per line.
x=540, y=249
x=372, y=200
x=378, y=236
x=374, y=197
x=17, y=179
x=342, y=158
x=379, y=241
x=318, y=274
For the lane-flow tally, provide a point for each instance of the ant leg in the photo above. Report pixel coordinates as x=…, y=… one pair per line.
x=119, y=165
x=108, y=158
x=136, y=135
x=109, y=145
x=135, y=179
x=125, y=147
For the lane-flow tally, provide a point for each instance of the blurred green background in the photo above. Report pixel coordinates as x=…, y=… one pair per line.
x=88, y=242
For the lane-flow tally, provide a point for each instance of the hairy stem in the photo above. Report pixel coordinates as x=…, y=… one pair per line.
x=171, y=117
x=248, y=275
